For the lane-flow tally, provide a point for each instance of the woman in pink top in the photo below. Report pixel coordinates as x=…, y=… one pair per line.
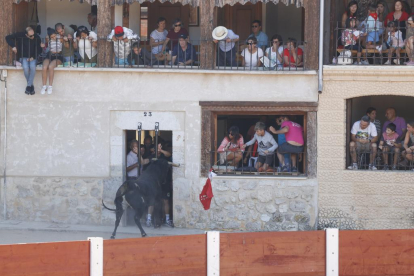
x=294, y=141
x=231, y=147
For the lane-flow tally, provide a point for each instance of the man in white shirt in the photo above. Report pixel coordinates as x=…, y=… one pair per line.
x=132, y=160
x=363, y=140
x=227, y=49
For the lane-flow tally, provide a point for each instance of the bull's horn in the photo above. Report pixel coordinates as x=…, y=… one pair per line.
x=173, y=164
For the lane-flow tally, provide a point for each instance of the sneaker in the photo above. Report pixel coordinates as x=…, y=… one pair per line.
x=354, y=166
x=379, y=48
x=372, y=167
x=357, y=63
x=27, y=90
x=32, y=91
x=388, y=62
x=43, y=91
x=365, y=62
x=169, y=223
x=394, y=168
x=410, y=63
x=279, y=169
x=294, y=169
x=149, y=223
x=385, y=168
x=285, y=169
x=49, y=90
x=396, y=61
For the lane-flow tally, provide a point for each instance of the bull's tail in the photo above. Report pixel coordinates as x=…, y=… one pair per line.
x=103, y=204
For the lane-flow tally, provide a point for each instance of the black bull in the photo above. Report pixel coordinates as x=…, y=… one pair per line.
x=141, y=193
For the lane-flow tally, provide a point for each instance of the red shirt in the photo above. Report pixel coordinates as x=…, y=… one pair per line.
x=286, y=53
x=390, y=17
x=173, y=36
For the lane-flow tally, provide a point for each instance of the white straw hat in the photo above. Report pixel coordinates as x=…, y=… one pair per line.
x=220, y=33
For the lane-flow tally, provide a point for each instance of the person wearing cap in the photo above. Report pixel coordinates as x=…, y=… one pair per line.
x=183, y=53
x=28, y=45
x=67, y=34
x=87, y=44
x=123, y=38
x=226, y=39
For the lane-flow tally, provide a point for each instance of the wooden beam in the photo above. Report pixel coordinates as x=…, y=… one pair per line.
x=104, y=28
x=311, y=144
x=206, y=26
x=206, y=140
x=311, y=34
x=6, y=28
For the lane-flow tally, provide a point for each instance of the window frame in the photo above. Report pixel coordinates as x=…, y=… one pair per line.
x=210, y=110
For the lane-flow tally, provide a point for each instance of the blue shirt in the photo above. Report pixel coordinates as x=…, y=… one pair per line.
x=183, y=56
x=262, y=39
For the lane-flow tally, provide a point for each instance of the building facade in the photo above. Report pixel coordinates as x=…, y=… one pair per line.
x=64, y=153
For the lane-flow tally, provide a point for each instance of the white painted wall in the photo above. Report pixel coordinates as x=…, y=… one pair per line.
x=66, y=12
x=135, y=17
x=284, y=20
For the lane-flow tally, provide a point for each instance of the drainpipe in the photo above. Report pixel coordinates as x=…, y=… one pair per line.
x=321, y=19
x=4, y=76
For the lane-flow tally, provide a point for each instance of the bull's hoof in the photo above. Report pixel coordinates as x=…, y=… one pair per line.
x=112, y=237
x=144, y=235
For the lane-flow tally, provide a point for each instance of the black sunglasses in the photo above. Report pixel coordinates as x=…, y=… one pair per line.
x=177, y=25
x=255, y=26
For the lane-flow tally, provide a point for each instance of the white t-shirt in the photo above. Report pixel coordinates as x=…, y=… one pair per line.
x=250, y=58
x=132, y=159
x=158, y=36
x=272, y=56
x=368, y=133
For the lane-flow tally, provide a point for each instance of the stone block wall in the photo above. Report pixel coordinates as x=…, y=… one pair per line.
x=359, y=199
x=256, y=204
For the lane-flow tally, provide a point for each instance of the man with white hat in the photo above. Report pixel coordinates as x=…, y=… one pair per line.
x=227, y=50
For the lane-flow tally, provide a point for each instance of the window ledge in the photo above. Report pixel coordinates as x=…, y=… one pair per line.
x=169, y=70
x=261, y=177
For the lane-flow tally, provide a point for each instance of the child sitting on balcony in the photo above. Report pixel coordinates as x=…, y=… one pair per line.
x=394, y=42
x=53, y=59
x=388, y=145
x=373, y=29
x=267, y=146
x=350, y=39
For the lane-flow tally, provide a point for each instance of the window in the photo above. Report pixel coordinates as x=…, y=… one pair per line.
x=219, y=119
x=384, y=152
x=144, y=23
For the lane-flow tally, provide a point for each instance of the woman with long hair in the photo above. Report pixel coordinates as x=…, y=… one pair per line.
x=231, y=151
x=351, y=11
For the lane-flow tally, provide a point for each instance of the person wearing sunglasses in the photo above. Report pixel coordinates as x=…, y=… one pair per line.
x=252, y=54
x=27, y=46
x=275, y=51
x=262, y=39
x=174, y=35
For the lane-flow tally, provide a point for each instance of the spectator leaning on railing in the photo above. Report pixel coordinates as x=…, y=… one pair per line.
x=27, y=45
x=294, y=141
x=67, y=34
x=227, y=49
x=122, y=37
x=292, y=54
x=364, y=138
x=87, y=42
x=266, y=147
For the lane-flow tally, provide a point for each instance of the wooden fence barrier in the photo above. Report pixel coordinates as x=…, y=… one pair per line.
x=57, y=258
x=361, y=253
